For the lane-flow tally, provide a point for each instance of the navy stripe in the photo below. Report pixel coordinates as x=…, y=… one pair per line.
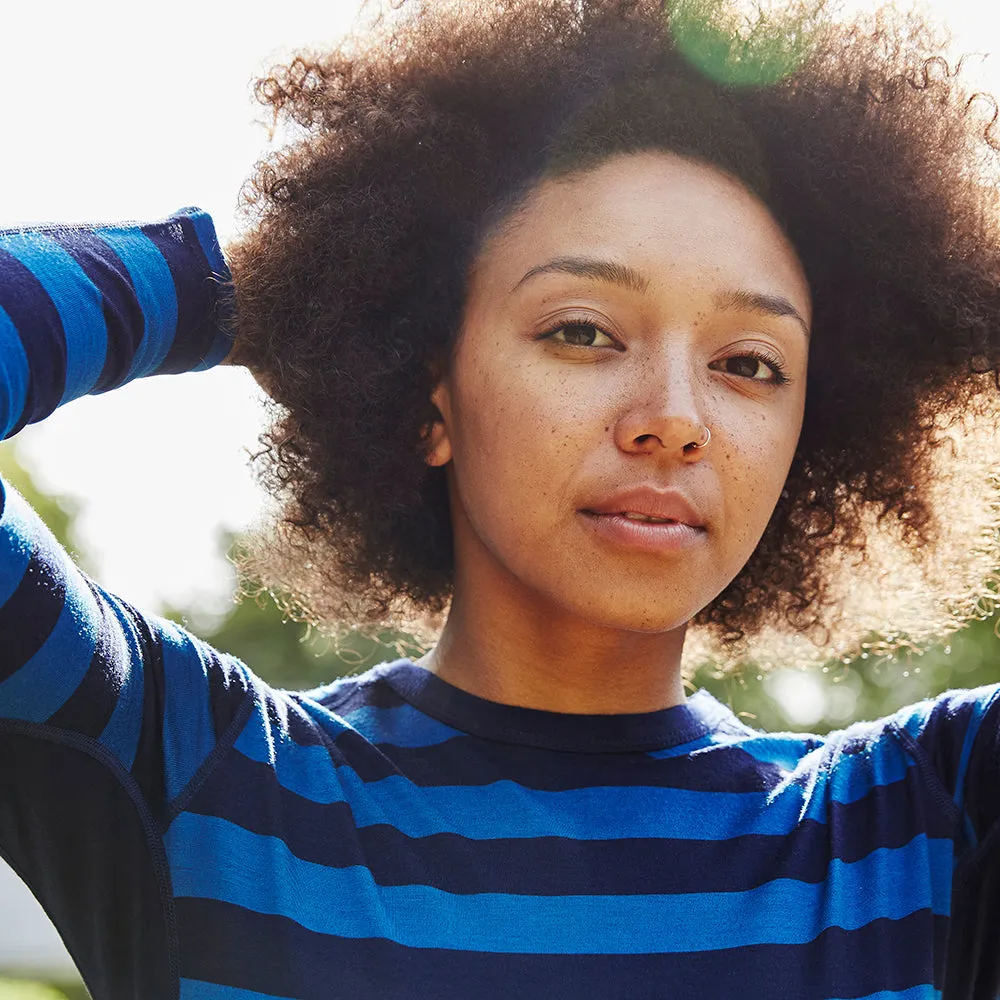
x=228, y=688
x=403, y=726
x=742, y=767
x=91, y=705
x=32, y=312
x=346, y=696
x=29, y=617
x=147, y=766
x=196, y=293
x=76, y=299
x=464, y=760
x=505, y=809
x=982, y=803
x=15, y=377
x=122, y=314
x=879, y=956
x=154, y=290
x=510, y=724
x=305, y=765
x=247, y=793
x=121, y=734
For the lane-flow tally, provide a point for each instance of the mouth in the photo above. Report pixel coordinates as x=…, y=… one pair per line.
x=634, y=515
x=643, y=532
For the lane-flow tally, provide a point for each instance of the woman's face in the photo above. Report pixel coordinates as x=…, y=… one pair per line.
x=616, y=315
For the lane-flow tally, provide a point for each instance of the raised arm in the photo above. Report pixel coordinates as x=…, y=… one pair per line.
x=85, y=309
x=106, y=714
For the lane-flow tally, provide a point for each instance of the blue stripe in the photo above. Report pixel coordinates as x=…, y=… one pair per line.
x=506, y=809
x=77, y=300
x=260, y=874
x=155, y=292
x=37, y=321
x=121, y=734
x=48, y=679
x=205, y=230
x=925, y=992
x=188, y=726
x=14, y=376
x=18, y=538
x=853, y=964
x=403, y=726
x=771, y=749
x=236, y=788
x=191, y=989
x=836, y=774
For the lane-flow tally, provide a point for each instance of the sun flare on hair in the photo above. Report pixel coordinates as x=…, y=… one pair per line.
x=744, y=44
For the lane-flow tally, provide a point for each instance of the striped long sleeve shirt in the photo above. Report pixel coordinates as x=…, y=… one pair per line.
x=196, y=834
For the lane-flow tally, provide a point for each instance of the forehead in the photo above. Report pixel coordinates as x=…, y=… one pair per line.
x=672, y=218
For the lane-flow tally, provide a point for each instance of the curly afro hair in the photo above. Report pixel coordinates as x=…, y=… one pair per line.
x=415, y=138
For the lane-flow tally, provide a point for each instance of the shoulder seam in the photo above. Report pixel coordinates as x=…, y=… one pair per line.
x=224, y=745
x=919, y=756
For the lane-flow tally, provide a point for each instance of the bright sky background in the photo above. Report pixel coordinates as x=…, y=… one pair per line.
x=117, y=110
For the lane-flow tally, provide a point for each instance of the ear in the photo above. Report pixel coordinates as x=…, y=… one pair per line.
x=437, y=441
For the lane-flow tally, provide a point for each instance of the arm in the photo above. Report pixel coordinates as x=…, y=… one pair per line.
x=106, y=715
x=87, y=309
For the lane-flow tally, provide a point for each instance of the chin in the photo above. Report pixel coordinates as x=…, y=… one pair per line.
x=645, y=618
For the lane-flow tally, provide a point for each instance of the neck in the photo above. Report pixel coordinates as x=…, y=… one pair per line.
x=536, y=655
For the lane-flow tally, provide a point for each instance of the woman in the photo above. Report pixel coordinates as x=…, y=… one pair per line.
x=588, y=333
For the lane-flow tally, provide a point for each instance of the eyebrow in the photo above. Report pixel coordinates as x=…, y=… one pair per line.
x=769, y=305
x=589, y=267
x=628, y=277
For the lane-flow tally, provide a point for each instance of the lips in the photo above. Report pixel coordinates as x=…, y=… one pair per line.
x=648, y=505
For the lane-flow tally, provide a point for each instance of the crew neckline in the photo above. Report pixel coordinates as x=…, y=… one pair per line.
x=698, y=716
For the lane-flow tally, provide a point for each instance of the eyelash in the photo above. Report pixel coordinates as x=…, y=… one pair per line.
x=758, y=354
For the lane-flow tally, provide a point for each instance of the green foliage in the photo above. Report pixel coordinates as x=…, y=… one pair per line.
x=867, y=687
x=58, y=512
x=23, y=989
x=287, y=653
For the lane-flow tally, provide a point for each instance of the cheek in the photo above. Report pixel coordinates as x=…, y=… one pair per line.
x=755, y=461
x=521, y=440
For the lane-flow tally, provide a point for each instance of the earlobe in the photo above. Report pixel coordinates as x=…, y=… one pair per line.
x=437, y=442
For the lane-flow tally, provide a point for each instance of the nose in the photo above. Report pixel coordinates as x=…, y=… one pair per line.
x=663, y=413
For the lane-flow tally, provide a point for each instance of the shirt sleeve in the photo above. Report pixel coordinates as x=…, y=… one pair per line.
x=958, y=736
x=85, y=309
x=107, y=715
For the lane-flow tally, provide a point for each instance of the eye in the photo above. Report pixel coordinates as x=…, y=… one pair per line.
x=758, y=367
x=578, y=333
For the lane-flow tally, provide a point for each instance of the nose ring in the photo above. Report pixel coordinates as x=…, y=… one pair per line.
x=708, y=437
